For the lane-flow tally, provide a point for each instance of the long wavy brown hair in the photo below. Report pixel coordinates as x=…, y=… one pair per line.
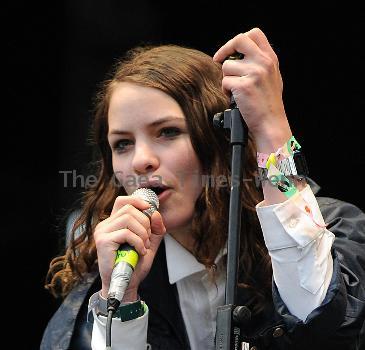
x=194, y=81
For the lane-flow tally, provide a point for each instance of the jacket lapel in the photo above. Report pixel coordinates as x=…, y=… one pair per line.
x=60, y=328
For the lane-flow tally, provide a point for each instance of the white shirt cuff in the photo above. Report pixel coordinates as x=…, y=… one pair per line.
x=125, y=335
x=300, y=250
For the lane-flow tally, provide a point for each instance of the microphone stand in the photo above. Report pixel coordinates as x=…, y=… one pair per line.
x=229, y=316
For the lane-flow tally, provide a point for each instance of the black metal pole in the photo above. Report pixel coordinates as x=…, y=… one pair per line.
x=228, y=329
x=235, y=207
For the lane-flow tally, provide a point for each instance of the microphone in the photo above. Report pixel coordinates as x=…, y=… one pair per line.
x=127, y=257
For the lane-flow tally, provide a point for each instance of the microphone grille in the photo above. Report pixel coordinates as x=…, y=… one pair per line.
x=149, y=196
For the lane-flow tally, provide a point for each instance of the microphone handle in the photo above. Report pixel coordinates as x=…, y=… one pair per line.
x=127, y=257
x=125, y=263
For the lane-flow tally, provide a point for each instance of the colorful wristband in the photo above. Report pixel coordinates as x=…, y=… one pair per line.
x=279, y=165
x=279, y=180
x=262, y=159
x=285, y=151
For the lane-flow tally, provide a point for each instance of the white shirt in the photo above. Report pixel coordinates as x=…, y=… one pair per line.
x=199, y=297
x=299, y=246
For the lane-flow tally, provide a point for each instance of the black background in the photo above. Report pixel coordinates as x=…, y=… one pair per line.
x=56, y=54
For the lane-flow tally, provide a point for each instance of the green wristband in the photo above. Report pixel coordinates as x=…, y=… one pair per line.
x=125, y=312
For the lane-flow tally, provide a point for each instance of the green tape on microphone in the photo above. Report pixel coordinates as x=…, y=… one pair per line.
x=128, y=254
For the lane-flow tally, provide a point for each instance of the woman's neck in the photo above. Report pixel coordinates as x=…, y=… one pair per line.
x=185, y=238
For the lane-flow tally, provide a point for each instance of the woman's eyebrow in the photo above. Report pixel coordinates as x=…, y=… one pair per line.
x=151, y=125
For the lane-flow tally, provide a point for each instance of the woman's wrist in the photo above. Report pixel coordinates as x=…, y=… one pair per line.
x=130, y=295
x=273, y=142
x=271, y=139
x=281, y=168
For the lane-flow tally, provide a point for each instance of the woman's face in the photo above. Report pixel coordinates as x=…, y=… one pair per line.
x=151, y=147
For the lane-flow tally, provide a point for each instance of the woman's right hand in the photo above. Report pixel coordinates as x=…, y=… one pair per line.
x=128, y=224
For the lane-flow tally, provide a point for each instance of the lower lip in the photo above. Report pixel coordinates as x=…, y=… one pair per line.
x=163, y=195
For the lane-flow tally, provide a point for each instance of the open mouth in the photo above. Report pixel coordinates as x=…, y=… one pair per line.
x=158, y=189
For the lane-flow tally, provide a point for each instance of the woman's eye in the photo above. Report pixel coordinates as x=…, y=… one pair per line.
x=170, y=132
x=121, y=145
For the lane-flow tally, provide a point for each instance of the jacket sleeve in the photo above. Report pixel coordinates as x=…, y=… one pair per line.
x=338, y=323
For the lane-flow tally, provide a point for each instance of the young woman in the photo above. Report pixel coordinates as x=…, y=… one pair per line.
x=301, y=268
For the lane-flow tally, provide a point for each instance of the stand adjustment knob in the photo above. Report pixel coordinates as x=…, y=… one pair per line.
x=241, y=314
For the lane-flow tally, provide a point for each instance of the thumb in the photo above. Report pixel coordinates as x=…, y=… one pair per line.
x=157, y=225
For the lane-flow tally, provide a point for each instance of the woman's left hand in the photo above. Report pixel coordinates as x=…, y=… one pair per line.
x=256, y=84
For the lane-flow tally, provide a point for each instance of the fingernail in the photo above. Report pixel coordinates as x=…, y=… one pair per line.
x=148, y=243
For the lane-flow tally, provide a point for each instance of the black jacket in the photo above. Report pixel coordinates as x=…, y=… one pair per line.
x=338, y=323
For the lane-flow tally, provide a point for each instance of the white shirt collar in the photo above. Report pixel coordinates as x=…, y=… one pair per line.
x=180, y=262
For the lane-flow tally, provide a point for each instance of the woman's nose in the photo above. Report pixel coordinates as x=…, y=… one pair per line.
x=145, y=160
